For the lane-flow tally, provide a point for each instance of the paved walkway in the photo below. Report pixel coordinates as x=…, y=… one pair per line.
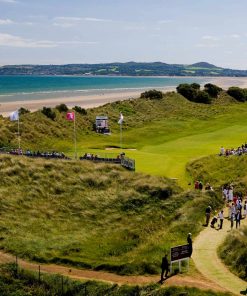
x=207, y=261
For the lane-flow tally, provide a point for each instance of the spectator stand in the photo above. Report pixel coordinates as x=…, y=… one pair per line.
x=120, y=159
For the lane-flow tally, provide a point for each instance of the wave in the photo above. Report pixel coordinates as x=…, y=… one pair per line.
x=85, y=90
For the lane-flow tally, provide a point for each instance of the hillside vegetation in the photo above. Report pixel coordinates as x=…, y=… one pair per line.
x=166, y=133
x=118, y=69
x=27, y=283
x=97, y=216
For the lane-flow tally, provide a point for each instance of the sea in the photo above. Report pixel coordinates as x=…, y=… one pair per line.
x=24, y=88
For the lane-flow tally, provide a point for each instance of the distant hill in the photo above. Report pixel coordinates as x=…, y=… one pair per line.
x=123, y=69
x=203, y=65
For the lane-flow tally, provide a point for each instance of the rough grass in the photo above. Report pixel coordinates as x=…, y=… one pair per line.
x=234, y=252
x=98, y=216
x=167, y=133
x=27, y=283
x=220, y=170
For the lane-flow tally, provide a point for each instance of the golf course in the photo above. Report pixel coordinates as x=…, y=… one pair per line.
x=79, y=216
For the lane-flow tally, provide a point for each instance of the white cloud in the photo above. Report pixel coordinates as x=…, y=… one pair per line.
x=92, y=19
x=208, y=45
x=67, y=21
x=9, y=1
x=17, y=41
x=210, y=38
x=6, y=22
x=165, y=21
x=235, y=36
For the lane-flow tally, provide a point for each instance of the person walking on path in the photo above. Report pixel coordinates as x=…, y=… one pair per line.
x=232, y=219
x=221, y=217
x=189, y=241
x=164, y=268
x=208, y=212
x=238, y=218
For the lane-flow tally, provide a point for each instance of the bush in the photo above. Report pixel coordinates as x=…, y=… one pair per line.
x=187, y=91
x=23, y=111
x=48, y=113
x=62, y=108
x=193, y=93
x=203, y=97
x=240, y=94
x=152, y=94
x=80, y=110
x=212, y=89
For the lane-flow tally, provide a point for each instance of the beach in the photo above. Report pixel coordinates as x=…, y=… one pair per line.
x=94, y=100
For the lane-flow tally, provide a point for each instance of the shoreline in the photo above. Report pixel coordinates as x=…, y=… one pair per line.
x=94, y=100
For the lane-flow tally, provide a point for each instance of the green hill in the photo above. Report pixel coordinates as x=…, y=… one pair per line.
x=93, y=215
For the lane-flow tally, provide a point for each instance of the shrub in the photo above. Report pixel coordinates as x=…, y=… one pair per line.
x=212, y=89
x=202, y=97
x=62, y=108
x=23, y=111
x=152, y=94
x=193, y=93
x=187, y=91
x=80, y=110
x=48, y=113
x=238, y=93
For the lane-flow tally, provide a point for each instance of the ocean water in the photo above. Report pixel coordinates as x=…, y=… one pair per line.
x=18, y=88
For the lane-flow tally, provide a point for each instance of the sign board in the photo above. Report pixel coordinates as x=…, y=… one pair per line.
x=180, y=253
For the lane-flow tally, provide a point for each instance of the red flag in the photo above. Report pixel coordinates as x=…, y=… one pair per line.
x=70, y=116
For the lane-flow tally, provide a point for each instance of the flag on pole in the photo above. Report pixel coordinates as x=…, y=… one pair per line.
x=120, y=121
x=70, y=116
x=14, y=115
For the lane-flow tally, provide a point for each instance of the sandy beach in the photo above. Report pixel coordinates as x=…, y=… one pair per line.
x=90, y=101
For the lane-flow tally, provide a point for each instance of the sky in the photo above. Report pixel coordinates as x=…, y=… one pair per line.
x=102, y=31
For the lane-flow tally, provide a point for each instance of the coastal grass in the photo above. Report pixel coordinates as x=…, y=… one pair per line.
x=234, y=252
x=165, y=134
x=28, y=283
x=94, y=215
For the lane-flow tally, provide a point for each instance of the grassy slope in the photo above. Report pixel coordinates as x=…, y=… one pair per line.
x=218, y=171
x=166, y=133
x=98, y=216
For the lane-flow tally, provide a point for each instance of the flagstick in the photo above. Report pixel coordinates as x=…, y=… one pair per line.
x=121, y=137
x=75, y=138
x=19, y=138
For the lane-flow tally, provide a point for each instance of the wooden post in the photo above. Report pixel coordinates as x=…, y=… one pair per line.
x=39, y=273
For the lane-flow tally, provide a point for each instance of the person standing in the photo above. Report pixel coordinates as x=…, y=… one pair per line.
x=238, y=218
x=189, y=241
x=208, y=212
x=164, y=268
x=221, y=217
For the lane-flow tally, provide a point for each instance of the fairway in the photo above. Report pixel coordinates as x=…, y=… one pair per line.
x=164, y=146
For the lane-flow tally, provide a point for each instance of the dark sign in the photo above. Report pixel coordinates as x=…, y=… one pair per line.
x=180, y=252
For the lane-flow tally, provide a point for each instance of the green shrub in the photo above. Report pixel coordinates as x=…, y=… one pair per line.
x=239, y=94
x=212, y=89
x=23, y=111
x=62, y=108
x=80, y=110
x=49, y=113
x=152, y=94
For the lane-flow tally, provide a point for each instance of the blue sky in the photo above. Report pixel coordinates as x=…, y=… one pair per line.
x=98, y=31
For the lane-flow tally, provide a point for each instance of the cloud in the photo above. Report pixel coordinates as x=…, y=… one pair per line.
x=17, y=41
x=6, y=22
x=210, y=38
x=67, y=21
x=9, y=1
x=92, y=19
x=235, y=36
x=165, y=21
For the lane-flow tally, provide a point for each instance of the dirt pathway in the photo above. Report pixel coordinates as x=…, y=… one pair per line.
x=81, y=274
x=207, y=261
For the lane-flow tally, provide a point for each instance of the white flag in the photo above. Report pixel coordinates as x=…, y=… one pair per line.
x=14, y=115
x=120, y=121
